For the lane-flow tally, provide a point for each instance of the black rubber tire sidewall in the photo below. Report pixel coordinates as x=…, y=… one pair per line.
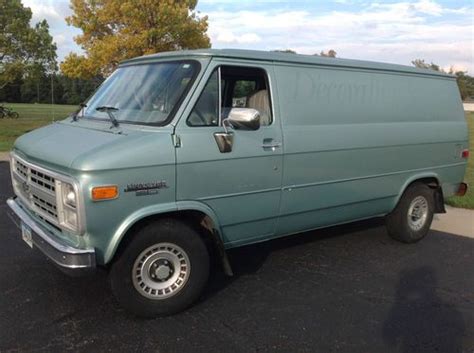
x=397, y=220
x=169, y=231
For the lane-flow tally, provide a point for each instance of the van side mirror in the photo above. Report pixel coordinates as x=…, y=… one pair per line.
x=243, y=119
x=239, y=119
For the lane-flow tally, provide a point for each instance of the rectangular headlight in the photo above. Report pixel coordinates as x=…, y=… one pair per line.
x=67, y=202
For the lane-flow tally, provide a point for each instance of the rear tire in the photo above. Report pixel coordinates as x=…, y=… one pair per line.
x=411, y=219
x=162, y=270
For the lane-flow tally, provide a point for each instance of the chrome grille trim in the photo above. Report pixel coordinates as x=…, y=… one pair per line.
x=39, y=190
x=36, y=188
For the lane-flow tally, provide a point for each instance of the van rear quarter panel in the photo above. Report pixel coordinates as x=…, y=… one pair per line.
x=354, y=139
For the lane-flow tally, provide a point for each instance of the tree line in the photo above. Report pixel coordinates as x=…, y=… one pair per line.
x=112, y=31
x=28, y=62
x=465, y=82
x=47, y=88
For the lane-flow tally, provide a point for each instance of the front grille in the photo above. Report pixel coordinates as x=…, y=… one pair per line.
x=42, y=180
x=36, y=188
x=45, y=206
x=21, y=169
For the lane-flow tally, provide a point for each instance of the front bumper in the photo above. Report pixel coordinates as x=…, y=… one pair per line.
x=63, y=255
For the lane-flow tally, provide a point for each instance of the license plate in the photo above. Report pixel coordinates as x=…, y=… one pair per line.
x=26, y=235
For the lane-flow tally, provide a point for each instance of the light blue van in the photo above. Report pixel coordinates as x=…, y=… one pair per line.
x=181, y=155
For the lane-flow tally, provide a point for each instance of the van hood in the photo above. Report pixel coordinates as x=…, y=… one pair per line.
x=66, y=145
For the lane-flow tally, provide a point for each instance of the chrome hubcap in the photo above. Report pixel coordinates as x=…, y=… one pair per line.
x=160, y=271
x=163, y=272
x=417, y=213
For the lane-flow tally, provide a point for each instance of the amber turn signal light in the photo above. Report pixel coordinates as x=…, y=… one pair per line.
x=108, y=192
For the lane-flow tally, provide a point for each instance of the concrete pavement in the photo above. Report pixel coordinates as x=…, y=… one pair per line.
x=457, y=221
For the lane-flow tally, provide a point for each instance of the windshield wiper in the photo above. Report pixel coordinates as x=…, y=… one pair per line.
x=109, y=110
x=75, y=115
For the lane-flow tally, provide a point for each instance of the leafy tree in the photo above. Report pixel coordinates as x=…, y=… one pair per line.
x=22, y=46
x=464, y=81
x=30, y=88
x=65, y=90
x=75, y=91
x=244, y=88
x=421, y=64
x=114, y=30
x=329, y=54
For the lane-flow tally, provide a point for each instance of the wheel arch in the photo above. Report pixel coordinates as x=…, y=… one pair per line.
x=198, y=215
x=433, y=181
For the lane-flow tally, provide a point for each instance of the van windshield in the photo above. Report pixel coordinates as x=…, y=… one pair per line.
x=143, y=93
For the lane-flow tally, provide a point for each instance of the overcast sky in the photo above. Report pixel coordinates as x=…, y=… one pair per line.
x=388, y=31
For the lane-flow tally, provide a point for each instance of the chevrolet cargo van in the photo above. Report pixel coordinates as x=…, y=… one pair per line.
x=181, y=155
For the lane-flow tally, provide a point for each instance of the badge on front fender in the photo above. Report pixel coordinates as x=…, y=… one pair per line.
x=143, y=189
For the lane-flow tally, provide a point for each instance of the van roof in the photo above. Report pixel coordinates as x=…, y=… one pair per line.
x=260, y=55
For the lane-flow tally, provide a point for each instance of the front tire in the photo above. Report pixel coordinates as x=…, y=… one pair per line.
x=162, y=270
x=410, y=221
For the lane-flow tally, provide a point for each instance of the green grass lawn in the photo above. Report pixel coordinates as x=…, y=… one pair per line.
x=467, y=201
x=31, y=117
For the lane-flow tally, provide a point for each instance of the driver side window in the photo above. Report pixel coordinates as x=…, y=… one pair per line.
x=241, y=87
x=206, y=110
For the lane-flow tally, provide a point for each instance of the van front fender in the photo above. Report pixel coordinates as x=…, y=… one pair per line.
x=154, y=210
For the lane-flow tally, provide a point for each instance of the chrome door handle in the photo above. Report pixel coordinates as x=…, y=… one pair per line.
x=271, y=145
